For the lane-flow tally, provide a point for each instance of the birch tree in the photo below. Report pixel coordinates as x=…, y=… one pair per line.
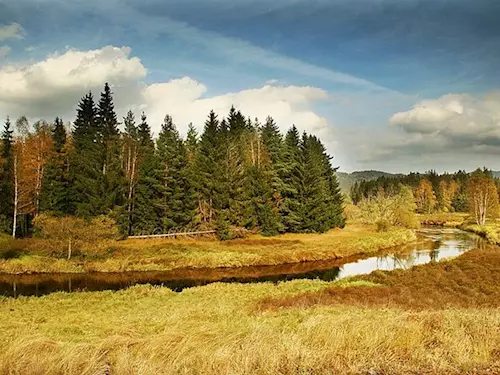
x=483, y=198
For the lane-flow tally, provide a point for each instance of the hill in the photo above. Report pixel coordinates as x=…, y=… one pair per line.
x=347, y=180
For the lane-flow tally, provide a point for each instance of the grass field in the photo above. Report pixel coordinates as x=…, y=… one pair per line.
x=434, y=319
x=168, y=254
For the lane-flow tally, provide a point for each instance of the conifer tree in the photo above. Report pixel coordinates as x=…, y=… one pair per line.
x=209, y=173
x=292, y=176
x=6, y=177
x=56, y=189
x=149, y=202
x=320, y=200
x=180, y=202
x=114, y=180
x=86, y=161
x=236, y=202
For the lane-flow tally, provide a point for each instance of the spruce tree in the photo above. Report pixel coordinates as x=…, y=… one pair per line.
x=209, y=172
x=149, y=202
x=114, y=181
x=292, y=176
x=87, y=162
x=192, y=143
x=180, y=202
x=6, y=178
x=56, y=189
x=235, y=181
x=320, y=197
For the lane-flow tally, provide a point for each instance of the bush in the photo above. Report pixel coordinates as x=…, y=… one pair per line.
x=70, y=235
x=352, y=212
x=223, y=229
x=397, y=210
x=382, y=225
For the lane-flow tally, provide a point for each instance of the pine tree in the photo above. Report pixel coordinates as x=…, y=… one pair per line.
x=56, y=189
x=6, y=178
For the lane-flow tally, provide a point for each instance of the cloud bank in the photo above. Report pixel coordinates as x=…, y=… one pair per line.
x=53, y=87
x=455, y=121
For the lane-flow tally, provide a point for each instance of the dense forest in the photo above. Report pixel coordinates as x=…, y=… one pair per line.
x=238, y=173
x=476, y=192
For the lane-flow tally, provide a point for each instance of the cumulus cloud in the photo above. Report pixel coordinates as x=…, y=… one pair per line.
x=184, y=100
x=52, y=87
x=4, y=51
x=455, y=121
x=451, y=132
x=12, y=31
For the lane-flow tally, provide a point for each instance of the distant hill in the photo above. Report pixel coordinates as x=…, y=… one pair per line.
x=496, y=174
x=346, y=180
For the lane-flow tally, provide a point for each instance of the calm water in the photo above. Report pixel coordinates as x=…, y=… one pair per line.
x=433, y=245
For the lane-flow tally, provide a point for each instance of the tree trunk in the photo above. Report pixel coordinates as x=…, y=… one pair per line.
x=69, y=249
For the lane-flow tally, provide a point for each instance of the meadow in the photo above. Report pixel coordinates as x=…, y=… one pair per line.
x=40, y=255
x=434, y=319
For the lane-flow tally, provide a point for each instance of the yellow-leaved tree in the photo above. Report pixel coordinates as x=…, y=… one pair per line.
x=425, y=197
x=482, y=197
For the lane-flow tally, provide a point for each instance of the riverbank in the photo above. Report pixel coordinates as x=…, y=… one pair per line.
x=441, y=318
x=490, y=231
x=169, y=254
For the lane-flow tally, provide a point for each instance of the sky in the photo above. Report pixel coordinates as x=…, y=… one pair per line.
x=392, y=85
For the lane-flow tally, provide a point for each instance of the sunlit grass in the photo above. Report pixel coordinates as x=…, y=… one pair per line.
x=448, y=219
x=490, y=231
x=167, y=254
x=219, y=329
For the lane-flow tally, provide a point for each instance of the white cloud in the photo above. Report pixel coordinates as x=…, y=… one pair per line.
x=183, y=99
x=450, y=132
x=47, y=87
x=52, y=87
x=12, y=31
x=4, y=51
x=460, y=119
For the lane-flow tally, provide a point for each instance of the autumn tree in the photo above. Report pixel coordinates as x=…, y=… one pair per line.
x=482, y=197
x=425, y=197
x=448, y=191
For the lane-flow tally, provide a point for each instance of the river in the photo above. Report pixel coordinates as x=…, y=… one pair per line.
x=433, y=245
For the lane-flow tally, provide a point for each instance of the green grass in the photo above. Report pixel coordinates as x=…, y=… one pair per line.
x=168, y=254
x=490, y=231
x=449, y=219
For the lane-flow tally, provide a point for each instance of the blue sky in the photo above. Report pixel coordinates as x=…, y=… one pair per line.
x=405, y=85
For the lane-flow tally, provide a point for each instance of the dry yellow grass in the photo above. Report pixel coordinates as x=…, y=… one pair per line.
x=168, y=254
x=218, y=329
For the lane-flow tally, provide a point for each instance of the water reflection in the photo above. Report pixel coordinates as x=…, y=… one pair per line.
x=433, y=245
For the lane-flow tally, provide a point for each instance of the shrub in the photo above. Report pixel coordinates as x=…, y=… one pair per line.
x=74, y=234
x=223, y=229
x=382, y=225
x=397, y=210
